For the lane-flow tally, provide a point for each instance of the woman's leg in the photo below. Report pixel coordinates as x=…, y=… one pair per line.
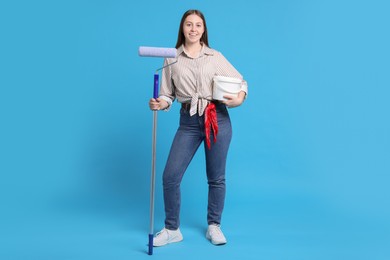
x=216, y=165
x=186, y=142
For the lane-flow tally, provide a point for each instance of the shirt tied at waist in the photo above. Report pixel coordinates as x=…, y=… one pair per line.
x=198, y=104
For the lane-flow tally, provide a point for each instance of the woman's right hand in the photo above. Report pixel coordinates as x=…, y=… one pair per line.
x=158, y=104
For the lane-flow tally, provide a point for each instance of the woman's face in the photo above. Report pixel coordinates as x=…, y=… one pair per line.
x=193, y=29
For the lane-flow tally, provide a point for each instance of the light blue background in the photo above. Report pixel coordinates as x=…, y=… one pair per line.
x=308, y=169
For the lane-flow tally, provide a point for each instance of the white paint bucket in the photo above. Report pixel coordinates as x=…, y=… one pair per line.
x=225, y=86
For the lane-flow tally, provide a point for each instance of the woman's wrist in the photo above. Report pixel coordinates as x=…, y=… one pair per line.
x=163, y=104
x=241, y=96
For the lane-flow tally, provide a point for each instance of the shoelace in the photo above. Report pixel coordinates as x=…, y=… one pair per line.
x=215, y=230
x=161, y=232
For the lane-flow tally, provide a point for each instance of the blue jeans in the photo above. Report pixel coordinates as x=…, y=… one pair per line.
x=187, y=140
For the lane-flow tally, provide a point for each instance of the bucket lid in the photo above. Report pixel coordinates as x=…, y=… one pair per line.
x=227, y=79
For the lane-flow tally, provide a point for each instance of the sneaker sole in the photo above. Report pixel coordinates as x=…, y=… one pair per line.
x=214, y=242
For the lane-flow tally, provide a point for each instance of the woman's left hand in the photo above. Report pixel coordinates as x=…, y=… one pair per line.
x=234, y=101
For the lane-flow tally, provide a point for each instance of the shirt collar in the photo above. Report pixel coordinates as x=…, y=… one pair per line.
x=204, y=51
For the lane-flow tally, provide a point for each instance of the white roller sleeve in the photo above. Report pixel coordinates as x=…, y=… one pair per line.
x=157, y=52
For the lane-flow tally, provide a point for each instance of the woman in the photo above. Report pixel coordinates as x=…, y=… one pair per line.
x=190, y=81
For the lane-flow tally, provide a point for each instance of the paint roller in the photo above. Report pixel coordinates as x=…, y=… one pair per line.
x=157, y=53
x=144, y=51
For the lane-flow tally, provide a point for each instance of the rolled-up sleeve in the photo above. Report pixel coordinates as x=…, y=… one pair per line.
x=167, y=88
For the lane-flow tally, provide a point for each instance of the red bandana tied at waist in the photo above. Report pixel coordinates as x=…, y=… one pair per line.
x=210, y=123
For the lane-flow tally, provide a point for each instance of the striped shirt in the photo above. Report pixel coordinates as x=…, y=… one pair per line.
x=190, y=80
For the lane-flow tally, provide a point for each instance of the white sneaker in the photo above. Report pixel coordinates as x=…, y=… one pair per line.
x=215, y=235
x=166, y=236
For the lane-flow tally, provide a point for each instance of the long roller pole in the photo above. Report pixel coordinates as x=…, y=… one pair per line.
x=153, y=174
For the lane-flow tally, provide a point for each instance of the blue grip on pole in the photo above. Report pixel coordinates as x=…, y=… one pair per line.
x=155, y=89
x=150, y=244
